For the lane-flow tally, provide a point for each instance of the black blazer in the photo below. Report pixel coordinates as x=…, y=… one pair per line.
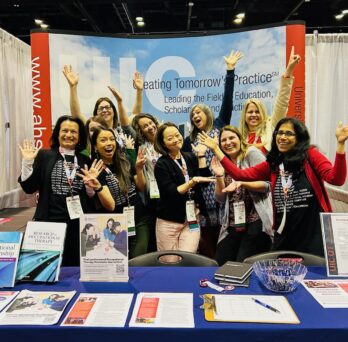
x=40, y=180
x=172, y=204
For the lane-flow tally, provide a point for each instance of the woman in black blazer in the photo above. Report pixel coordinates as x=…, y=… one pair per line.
x=177, y=174
x=52, y=172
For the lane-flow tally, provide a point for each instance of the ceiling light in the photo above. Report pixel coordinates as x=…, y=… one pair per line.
x=307, y=0
x=139, y=19
x=339, y=16
x=191, y=4
x=140, y=24
x=240, y=15
x=237, y=21
x=44, y=26
x=38, y=21
x=345, y=11
x=16, y=5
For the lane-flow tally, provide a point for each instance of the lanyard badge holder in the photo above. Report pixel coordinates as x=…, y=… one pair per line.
x=191, y=214
x=129, y=212
x=73, y=203
x=239, y=216
x=286, y=185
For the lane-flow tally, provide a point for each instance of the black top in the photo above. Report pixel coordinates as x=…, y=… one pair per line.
x=120, y=198
x=50, y=180
x=172, y=204
x=302, y=231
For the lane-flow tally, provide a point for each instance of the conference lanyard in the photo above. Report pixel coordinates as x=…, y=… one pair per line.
x=286, y=185
x=183, y=168
x=70, y=174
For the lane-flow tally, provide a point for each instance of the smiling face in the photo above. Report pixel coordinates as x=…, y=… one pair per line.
x=105, y=110
x=230, y=144
x=199, y=118
x=172, y=140
x=106, y=145
x=252, y=117
x=148, y=128
x=286, y=137
x=68, y=134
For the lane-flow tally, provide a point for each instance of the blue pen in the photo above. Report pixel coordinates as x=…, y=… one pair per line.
x=265, y=305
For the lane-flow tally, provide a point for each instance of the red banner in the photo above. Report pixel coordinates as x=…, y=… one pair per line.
x=41, y=89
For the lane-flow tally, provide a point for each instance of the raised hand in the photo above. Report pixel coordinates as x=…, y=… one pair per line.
x=90, y=177
x=138, y=81
x=28, y=150
x=217, y=167
x=341, y=133
x=116, y=93
x=141, y=159
x=129, y=141
x=232, y=186
x=232, y=59
x=294, y=59
x=199, y=149
x=72, y=78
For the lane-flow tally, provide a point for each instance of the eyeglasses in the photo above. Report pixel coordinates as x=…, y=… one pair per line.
x=101, y=108
x=288, y=134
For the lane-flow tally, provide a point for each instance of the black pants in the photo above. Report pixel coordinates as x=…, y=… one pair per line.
x=237, y=246
x=71, y=255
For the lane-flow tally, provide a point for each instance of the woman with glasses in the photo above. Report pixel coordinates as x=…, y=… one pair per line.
x=104, y=107
x=256, y=125
x=297, y=172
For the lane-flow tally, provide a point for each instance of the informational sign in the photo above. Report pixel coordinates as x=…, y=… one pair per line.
x=178, y=72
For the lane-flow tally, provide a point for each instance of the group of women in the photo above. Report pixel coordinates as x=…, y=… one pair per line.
x=227, y=192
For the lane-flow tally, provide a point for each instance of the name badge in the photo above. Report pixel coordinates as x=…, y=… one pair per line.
x=154, y=192
x=239, y=215
x=129, y=212
x=191, y=216
x=74, y=207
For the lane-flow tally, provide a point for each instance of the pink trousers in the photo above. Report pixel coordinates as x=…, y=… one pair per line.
x=176, y=236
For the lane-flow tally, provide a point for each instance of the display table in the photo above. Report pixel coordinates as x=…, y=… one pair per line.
x=317, y=324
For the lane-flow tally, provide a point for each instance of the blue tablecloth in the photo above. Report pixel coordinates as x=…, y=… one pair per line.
x=317, y=324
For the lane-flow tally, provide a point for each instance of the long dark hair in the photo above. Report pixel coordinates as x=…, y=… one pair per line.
x=140, y=139
x=95, y=110
x=119, y=160
x=294, y=159
x=82, y=142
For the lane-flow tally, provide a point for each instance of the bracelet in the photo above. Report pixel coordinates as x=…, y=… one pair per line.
x=218, y=176
x=201, y=156
x=99, y=189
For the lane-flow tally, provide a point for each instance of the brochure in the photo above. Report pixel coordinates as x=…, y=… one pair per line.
x=6, y=297
x=10, y=245
x=104, y=247
x=329, y=293
x=41, y=252
x=99, y=310
x=335, y=238
x=36, y=308
x=163, y=310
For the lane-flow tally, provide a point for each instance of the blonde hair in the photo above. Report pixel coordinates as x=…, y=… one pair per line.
x=261, y=130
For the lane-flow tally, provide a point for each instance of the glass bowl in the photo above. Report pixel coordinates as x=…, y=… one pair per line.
x=280, y=275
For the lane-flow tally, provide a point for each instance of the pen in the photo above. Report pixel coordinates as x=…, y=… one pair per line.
x=265, y=305
x=214, y=304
